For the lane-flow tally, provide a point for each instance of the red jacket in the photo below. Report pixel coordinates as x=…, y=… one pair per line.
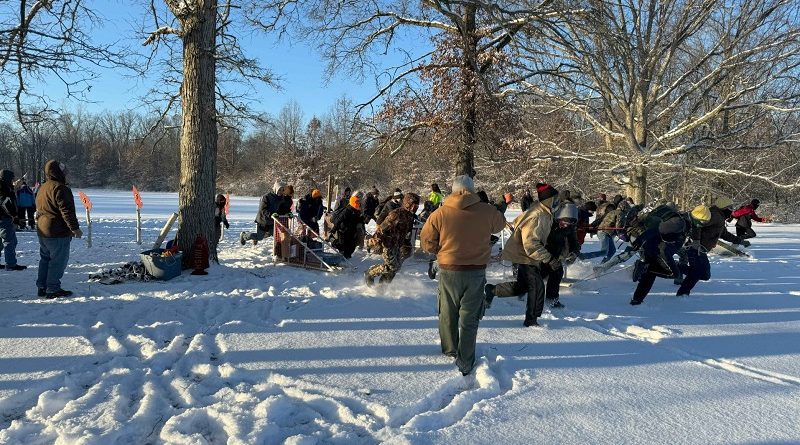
x=747, y=210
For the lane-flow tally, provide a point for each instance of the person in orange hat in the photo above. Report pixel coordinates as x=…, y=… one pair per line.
x=345, y=227
x=310, y=209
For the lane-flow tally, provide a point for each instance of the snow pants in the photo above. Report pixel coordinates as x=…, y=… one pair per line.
x=554, y=277
x=529, y=280
x=260, y=233
x=745, y=232
x=8, y=241
x=698, y=269
x=53, y=258
x=461, y=306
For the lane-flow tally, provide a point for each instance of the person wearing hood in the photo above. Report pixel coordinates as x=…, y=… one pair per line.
x=220, y=218
x=8, y=213
x=458, y=234
x=527, y=248
x=745, y=215
x=659, y=244
x=274, y=202
x=56, y=225
x=562, y=243
x=527, y=200
x=393, y=235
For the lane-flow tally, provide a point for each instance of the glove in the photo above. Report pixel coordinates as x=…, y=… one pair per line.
x=745, y=243
x=554, y=263
x=227, y=225
x=290, y=215
x=77, y=233
x=571, y=258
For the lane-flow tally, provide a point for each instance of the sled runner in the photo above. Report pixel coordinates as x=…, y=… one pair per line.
x=727, y=249
x=298, y=245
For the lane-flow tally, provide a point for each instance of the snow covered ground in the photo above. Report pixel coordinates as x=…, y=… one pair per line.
x=264, y=353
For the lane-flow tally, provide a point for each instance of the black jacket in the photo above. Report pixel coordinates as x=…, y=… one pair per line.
x=8, y=199
x=562, y=242
x=309, y=209
x=271, y=203
x=370, y=204
x=715, y=229
x=345, y=229
x=526, y=202
x=387, y=208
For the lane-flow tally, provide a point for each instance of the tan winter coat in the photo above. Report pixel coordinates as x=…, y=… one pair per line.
x=459, y=232
x=527, y=243
x=55, y=206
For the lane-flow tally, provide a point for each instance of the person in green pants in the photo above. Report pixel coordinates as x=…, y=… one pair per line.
x=458, y=233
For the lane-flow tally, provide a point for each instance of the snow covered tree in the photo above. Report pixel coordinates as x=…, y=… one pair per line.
x=674, y=84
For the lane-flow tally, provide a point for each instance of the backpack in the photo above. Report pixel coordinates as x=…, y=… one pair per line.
x=646, y=220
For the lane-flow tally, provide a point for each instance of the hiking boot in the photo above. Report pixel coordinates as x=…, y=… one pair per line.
x=530, y=323
x=488, y=292
x=432, y=269
x=41, y=292
x=16, y=268
x=368, y=280
x=635, y=302
x=58, y=294
x=242, y=239
x=555, y=304
x=678, y=281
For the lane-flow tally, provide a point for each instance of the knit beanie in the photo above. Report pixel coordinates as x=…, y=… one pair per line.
x=463, y=183
x=701, y=214
x=355, y=202
x=316, y=194
x=545, y=191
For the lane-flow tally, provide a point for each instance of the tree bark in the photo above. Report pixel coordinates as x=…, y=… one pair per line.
x=638, y=185
x=198, y=176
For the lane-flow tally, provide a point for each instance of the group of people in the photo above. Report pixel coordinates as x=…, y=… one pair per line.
x=56, y=224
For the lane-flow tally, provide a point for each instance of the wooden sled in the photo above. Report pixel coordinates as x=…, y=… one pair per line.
x=298, y=245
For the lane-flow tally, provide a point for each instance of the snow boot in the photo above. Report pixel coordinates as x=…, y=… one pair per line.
x=555, y=304
x=41, y=292
x=488, y=292
x=242, y=239
x=635, y=302
x=58, y=294
x=368, y=280
x=530, y=323
x=432, y=269
x=16, y=268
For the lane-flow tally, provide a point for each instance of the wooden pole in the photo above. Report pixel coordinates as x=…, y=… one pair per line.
x=88, y=229
x=138, y=226
x=165, y=231
x=330, y=191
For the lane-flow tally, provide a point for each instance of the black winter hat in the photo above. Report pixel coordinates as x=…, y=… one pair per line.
x=6, y=176
x=590, y=206
x=616, y=199
x=545, y=191
x=755, y=203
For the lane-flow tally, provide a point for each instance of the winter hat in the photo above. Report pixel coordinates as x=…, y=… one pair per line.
x=616, y=200
x=508, y=197
x=545, y=191
x=56, y=171
x=355, y=202
x=278, y=186
x=463, y=183
x=701, y=214
x=590, y=206
x=755, y=203
x=410, y=200
x=723, y=202
x=358, y=193
x=316, y=194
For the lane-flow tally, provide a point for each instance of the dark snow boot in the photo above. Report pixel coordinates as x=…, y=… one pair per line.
x=61, y=293
x=555, y=304
x=488, y=292
x=635, y=302
x=41, y=292
x=16, y=268
x=242, y=239
x=432, y=269
x=530, y=323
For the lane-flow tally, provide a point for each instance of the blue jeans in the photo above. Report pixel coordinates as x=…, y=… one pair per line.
x=8, y=241
x=53, y=257
x=607, y=243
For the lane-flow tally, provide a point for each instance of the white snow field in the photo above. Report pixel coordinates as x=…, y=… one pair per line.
x=258, y=353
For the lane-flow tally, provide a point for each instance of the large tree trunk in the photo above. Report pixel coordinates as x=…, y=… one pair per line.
x=637, y=189
x=465, y=162
x=199, y=131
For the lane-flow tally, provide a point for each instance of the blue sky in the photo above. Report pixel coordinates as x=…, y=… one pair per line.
x=300, y=68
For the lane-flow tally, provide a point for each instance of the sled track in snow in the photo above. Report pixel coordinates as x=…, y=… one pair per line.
x=655, y=334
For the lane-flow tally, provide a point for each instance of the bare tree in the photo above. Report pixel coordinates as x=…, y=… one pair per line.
x=49, y=39
x=670, y=84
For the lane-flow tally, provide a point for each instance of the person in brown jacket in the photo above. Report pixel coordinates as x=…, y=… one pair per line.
x=458, y=233
x=392, y=235
x=527, y=248
x=56, y=225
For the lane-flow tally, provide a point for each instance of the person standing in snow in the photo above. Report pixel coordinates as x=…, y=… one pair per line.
x=526, y=248
x=56, y=225
x=527, y=200
x=392, y=235
x=26, y=205
x=745, y=215
x=562, y=243
x=435, y=196
x=271, y=203
x=8, y=213
x=607, y=223
x=458, y=234
x=345, y=223
x=310, y=209
x=220, y=218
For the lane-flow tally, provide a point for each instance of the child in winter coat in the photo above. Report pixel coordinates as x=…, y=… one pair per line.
x=220, y=218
